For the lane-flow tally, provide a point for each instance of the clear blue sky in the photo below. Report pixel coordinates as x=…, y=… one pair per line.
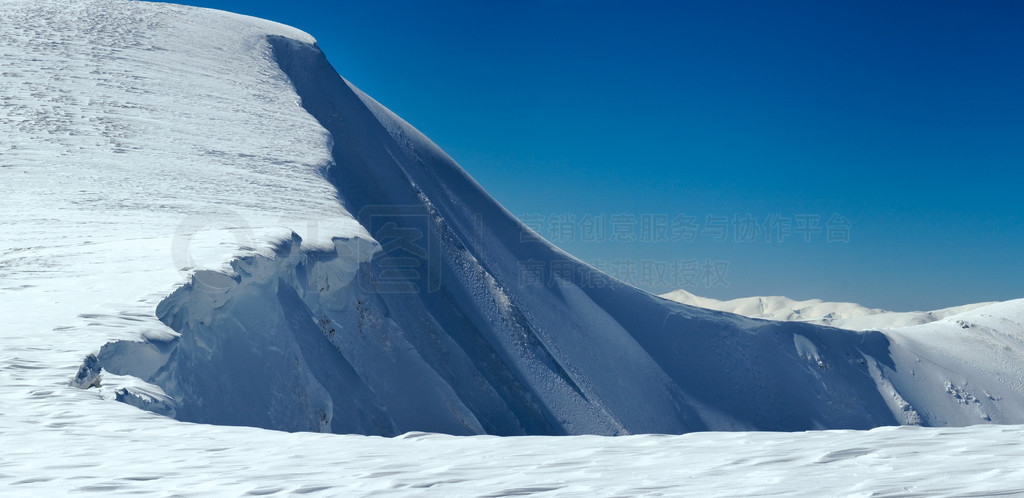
x=904, y=120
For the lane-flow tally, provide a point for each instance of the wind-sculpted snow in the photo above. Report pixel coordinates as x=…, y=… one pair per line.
x=440, y=312
x=456, y=338
x=172, y=238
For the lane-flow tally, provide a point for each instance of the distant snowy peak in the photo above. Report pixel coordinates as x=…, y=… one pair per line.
x=851, y=316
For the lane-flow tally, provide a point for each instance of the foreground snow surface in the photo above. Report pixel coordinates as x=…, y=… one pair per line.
x=147, y=144
x=133, y=453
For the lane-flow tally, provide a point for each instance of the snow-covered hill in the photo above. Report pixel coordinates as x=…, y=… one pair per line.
x=140, y=133
x=849, y=316
x=949, y=367
x=426, y=315
x=202, y=219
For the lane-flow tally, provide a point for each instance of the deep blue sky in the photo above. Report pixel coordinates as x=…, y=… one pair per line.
x=905, y=119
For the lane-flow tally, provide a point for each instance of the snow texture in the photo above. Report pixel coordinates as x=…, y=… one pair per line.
x=456, y=342
x=203, y=220
x=849, y=316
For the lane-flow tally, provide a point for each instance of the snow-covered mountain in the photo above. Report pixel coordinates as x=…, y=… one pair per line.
x=202, y=219
x=356, y=279
x=964, y=348
x=851, y=316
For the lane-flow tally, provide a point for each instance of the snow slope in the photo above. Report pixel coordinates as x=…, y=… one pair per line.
x=455, y=341
x=849, y=316
x=958, y=370
x=173, y=239
x=950, y=367
x=416, y=313
x=123, y=165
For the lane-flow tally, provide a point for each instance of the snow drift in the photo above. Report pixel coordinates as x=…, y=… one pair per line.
x=440, y=312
